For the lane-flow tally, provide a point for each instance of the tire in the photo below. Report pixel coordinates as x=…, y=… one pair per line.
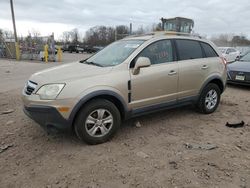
x=209, y=99
x=96, y=131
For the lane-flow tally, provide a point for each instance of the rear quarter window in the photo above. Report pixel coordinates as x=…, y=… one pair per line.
x=188, y=49
x=208, y=50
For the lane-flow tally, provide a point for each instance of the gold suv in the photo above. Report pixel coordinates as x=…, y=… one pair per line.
x=128, y=78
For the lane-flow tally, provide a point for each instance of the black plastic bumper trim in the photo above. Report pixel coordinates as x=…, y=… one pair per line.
x=47, y=117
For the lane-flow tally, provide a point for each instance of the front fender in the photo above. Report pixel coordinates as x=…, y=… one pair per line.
x=91, y=93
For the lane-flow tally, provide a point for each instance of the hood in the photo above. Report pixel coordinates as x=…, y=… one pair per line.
x=68, y=72
x=243, y=66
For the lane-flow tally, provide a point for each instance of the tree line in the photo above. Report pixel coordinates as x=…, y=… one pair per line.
x=230, y=40
x=104, y=35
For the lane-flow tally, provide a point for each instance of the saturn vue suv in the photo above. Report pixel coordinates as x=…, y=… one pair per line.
x=128, y=78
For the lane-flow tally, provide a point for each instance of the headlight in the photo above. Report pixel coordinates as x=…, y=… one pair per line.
x=50, y=91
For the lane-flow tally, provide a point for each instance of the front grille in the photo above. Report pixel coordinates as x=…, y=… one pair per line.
x=233, y=75
x=30, y=87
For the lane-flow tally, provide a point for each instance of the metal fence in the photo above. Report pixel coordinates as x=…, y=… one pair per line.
x=31, y=48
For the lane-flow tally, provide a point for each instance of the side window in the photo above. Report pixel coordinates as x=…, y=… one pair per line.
x=188, y=49
x=158, y=52
x=228, y=51
x=209, y=51
x=233, y=50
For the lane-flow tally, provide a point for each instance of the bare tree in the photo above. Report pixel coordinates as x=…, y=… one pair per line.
x=156, y=27
x=75, y=36
x=122, y=31
x=140, y=30
x=66, y=37
x=100, y=36
x=240, y=40
x=230, y=40
x=35, y=33
x=222, y=39
x=7, y=34
x=1, y=35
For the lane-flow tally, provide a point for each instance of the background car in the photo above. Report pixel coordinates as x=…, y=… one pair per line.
x=92, y=49
x=73, y=48
x=229, y=53
x=239, y=71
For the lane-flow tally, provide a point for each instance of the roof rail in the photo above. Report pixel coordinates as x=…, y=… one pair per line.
x=176, y=33
x=158, y=33
x=171, y=33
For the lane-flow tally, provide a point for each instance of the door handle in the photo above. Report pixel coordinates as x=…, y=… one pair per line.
x=204, y=67
x=172, y=72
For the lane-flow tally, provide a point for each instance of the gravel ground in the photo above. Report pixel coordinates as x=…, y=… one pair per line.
x=158, y=153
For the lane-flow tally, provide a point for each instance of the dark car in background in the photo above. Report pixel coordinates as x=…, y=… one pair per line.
x=92, y=49
x=73, y=48
x=239, y=71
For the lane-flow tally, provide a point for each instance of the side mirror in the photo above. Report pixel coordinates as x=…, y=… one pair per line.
x=140, y=63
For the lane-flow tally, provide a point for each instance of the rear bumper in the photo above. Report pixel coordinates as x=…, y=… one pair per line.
x=48, y=117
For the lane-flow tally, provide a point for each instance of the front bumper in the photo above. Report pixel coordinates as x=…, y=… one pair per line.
x=48, y=117
x=243, y=83
x=232, y=74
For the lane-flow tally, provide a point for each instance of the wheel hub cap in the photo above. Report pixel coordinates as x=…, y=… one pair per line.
x=99, y=122
x=211, y=99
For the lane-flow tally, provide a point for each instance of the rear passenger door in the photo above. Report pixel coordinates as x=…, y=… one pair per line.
x=193, y=68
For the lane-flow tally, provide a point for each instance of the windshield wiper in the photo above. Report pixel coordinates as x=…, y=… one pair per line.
x=91, y=63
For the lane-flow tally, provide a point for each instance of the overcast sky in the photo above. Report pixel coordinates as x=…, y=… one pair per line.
x=47, y=16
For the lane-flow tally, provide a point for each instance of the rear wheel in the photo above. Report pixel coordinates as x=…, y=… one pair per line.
x=97, y=122
x=209, y=99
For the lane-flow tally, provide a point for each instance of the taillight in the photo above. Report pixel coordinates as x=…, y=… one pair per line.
x=224, y=61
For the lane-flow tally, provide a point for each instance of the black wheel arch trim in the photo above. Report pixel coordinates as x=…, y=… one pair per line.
x=95, y=94
x=211, y=79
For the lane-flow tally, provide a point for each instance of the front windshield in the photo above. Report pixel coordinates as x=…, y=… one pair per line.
x=245, y=57
x=115, y=53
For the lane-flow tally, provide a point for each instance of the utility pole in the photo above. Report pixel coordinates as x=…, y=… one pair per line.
x=15, y=33
x=130, y=29
x=115, y=33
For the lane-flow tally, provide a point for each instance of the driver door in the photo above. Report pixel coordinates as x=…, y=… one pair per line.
x=157, y=83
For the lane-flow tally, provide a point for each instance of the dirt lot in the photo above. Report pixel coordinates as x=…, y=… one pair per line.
x=153, y=155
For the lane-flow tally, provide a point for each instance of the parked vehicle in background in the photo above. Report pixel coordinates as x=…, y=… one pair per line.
x=73, y=48
x=128, y=78
x=229, y=53
x=243, y=50
x=92, y=49
x=239, y=71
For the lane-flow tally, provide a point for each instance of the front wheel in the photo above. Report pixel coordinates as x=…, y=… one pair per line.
x=209, y=99
x=97, y=122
